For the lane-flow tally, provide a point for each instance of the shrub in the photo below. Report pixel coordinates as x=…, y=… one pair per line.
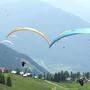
x=9, y=82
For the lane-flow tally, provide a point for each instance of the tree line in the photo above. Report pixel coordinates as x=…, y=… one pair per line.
x=5, y=80
x=65, y=76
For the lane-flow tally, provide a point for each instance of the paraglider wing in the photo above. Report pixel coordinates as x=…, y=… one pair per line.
x=7, y=41
x=69, y=33
x=30, y=29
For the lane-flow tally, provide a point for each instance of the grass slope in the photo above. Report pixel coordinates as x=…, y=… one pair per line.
x=24, y=83
x=75, y=86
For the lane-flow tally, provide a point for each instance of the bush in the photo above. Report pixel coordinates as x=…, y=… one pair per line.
x=2, y=78
x=9, y=82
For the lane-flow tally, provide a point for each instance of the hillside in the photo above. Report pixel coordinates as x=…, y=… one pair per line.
x=20, y=83
x=12, y=59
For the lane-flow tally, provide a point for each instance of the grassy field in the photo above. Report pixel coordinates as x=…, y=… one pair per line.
x=75, y=86
x=23, y=83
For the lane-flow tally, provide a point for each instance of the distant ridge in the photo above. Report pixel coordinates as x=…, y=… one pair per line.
x=11, y=59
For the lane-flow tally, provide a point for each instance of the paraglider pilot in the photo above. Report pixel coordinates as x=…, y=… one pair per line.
x=23, y=63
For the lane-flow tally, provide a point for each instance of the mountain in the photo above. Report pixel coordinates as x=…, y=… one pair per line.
x=51, y=21
x=12, y=59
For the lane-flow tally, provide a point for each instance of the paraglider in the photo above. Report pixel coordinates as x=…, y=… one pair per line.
x=18, y=29
x=69, y=33
x=6, y=41
x=23, y=63
x=26, y=67
x=64, y=47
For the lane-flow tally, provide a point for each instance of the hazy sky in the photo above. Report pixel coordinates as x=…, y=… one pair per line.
x=78, y=7
x=23, y=13
x=9, y=1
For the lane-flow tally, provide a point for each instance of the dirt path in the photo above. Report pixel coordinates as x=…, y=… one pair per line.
x=56, y=85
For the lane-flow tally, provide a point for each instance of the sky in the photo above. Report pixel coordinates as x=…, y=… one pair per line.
x=53, y=59
x=79, y=8
x=9, y=1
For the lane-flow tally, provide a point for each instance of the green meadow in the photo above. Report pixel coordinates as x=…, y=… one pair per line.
x=27, y=83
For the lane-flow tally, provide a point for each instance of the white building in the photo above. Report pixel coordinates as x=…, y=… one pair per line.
x=13, y=72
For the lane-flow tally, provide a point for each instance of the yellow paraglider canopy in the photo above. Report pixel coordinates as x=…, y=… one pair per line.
x=29, y=29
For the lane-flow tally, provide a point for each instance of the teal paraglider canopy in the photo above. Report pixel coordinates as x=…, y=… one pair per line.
x=69, y=33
